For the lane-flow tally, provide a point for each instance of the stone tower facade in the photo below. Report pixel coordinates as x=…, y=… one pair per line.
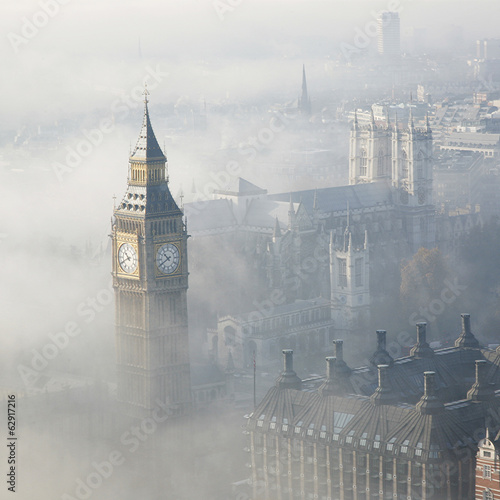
x=150, y=279
x=401, y=156
x=350, y=281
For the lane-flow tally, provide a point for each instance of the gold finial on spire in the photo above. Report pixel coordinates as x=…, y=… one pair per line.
x=145, y=93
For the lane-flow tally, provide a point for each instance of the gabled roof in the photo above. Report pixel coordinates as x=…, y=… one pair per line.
x=240, y=187
x=335, y=199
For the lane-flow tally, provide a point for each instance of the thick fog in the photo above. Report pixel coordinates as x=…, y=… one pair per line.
x=73, y=74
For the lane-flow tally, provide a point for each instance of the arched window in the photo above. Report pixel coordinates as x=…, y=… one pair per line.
x=488, y=495
x=381, y=166
x=364, y=163
x=420, y=166
x=404, y=165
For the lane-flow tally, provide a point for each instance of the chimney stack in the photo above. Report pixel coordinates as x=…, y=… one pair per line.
x=328, y=387
x=381, y=340
x=381, y=356
x=339, y=349
x=288, y=378
x=481, y=390
x=429, y=403
x=384, y=393
x=466, y=338
x=330, y=367
x=287, y=360
x=421, y=349
x=342, y=371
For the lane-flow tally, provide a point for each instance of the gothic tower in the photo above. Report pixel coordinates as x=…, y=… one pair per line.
x=349, y=280
x=150, y=278
x=369, y=152
x=412, y=182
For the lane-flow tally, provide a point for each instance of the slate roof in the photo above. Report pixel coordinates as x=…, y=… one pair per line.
x=147, y=147
x=396, y=428
x=240, y=187
x=334, y=199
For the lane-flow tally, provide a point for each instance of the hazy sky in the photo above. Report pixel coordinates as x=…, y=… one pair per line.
x=82, y=52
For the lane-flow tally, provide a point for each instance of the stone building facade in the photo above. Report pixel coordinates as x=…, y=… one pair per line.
x=397, y=428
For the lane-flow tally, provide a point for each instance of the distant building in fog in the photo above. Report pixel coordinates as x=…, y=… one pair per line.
x=388, y=35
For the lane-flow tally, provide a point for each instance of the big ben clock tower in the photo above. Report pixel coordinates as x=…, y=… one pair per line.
x=150, y=279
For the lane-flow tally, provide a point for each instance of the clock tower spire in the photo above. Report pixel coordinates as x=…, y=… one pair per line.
x=150, y=279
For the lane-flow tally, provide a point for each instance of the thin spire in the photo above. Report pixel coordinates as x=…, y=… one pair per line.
x=305, y=104
x=347, y=232
x=410, y=120
x=277, y=229
x=291, y=214
x=315, y=202
x=355, y=122
x=147, y=146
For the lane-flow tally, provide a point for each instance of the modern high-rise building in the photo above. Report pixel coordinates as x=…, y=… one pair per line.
x=388, y=34
x=150, y=278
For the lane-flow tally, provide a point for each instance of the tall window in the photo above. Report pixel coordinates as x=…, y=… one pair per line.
x=363, y=171
x=358, y=272
x=420, y=166
x=342, y=266
x=381, y=166
x=486, y=471
x=404, y=166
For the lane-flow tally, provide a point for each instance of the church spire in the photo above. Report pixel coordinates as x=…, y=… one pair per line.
x=427, y=124
x=305, y=103
x=277, y=229
x=147, y=147
x=410, y=115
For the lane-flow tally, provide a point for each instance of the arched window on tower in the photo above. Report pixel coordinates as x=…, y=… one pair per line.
x=487, y=495
x=363, y=170
x=420, y=165
x=404, y=164
x=381, y=164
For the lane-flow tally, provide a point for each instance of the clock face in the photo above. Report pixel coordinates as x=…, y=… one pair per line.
x=167, y=258
x=127, y=258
